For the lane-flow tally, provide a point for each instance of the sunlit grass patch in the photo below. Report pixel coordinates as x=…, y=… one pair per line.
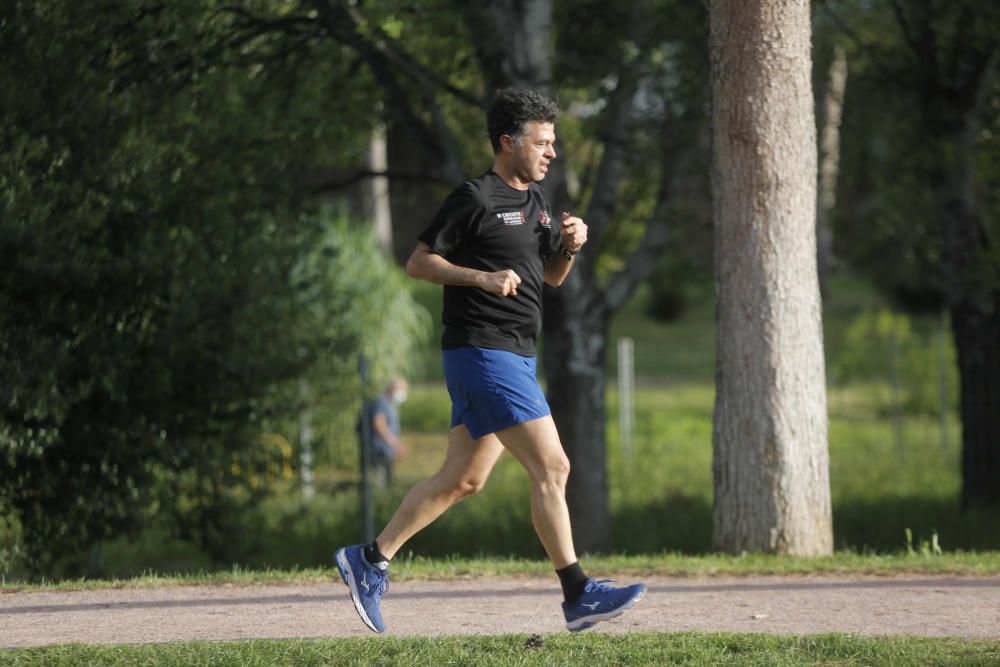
x=686, y=648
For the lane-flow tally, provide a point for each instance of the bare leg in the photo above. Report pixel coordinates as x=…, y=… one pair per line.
x=466, y=467
x=536, y=445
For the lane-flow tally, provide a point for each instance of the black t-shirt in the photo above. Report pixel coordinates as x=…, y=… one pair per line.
x=489, y=226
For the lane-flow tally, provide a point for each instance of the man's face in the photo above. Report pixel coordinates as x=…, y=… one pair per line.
x=531, y=156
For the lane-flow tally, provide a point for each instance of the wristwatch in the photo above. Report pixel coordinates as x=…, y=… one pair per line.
x=567, y=254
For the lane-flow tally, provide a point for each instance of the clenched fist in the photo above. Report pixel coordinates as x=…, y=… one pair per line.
x=573, y=232
x=503, y=282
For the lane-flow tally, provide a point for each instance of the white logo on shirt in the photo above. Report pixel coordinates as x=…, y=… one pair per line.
x=511, y=217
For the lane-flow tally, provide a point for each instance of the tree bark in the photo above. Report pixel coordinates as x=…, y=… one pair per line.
x=976, y=334
x=770, y=456
x=376, y=191
x=829, y=168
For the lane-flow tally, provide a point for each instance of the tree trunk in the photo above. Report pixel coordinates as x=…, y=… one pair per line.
x=575, y=345
x=413, y=203
x=976, y=340
x=833, y=105
x=952, y=99
x=770, y=458
x=376, y=191
x=974, y=304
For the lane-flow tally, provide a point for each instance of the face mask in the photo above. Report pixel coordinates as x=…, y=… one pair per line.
x=399, y=396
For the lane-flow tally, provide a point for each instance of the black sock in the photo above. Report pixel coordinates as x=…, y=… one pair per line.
x=573, y=580
x=376, y=557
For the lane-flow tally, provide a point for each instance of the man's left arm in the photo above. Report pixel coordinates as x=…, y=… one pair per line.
x=573, y=233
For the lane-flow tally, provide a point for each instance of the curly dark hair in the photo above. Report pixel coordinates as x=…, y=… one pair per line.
x=512, y=108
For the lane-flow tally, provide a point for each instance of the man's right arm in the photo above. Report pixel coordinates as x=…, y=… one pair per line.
x=381, y=426
x=425, y=264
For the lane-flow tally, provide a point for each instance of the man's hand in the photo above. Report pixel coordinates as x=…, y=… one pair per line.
x=573, y=232
x=503, y=282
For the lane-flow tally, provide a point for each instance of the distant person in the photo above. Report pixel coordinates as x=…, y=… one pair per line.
x=492, y=244
x=386, y=445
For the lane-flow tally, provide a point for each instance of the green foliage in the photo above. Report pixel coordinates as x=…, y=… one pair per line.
x=927, y=547
x=887, y=348
x=362, y=304
x=661, y=498
x=902, y=141
x=163, y=292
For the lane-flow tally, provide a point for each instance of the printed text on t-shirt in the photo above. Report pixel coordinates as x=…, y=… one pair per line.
x=511, y=217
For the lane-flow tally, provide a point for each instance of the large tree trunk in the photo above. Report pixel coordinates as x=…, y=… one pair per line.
x=974, y=303
x=976, y=339
x=376, y=191
x=575, y=345
x=955, y=73
x=770, y=458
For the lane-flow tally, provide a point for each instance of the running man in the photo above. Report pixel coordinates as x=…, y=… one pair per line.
x=491, y=245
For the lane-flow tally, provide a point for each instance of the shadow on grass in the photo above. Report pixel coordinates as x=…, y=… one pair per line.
x=290, y=534
x=880, y=524
x=678, y=523
x=684, y=524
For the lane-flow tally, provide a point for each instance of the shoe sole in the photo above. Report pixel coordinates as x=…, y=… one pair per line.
x=585, y=622
x=347, y=574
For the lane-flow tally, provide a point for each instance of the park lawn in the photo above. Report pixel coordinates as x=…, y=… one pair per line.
x=660, y=497
x=410, y=567
x=894, y=477
x=508, y=650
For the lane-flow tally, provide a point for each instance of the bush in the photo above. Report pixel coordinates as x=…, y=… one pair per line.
x=914, y=358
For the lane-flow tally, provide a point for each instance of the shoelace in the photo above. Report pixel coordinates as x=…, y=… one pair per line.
x=597, y=586
x=381, y=581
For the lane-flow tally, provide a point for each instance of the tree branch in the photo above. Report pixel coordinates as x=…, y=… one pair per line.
x=435, y=137
x=680, y=151
x=392, y=51
x=611, y=169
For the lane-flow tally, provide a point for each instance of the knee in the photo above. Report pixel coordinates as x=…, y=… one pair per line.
x=467, y=486
x=555, y=473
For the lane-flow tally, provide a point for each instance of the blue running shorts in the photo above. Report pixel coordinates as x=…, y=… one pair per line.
x=492, y=389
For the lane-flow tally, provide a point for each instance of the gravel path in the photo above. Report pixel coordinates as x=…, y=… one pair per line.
x=913, y=605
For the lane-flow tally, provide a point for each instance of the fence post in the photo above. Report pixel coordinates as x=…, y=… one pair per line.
x=945, y=404
x=367, y=510
x=305, y=443
x=626, y=392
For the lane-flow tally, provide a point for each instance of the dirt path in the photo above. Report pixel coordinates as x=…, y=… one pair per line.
x=918, y=605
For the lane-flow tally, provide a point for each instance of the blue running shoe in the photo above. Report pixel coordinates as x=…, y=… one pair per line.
x=600, y=603
x=367, y=584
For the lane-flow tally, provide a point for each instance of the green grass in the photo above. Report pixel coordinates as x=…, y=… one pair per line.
x=411, y=567
x=687, y=648
x=887, y=475
x=661, y=499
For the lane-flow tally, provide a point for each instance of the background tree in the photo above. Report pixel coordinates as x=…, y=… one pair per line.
x=770, y=460
x=161, y=292
x=921, y=183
